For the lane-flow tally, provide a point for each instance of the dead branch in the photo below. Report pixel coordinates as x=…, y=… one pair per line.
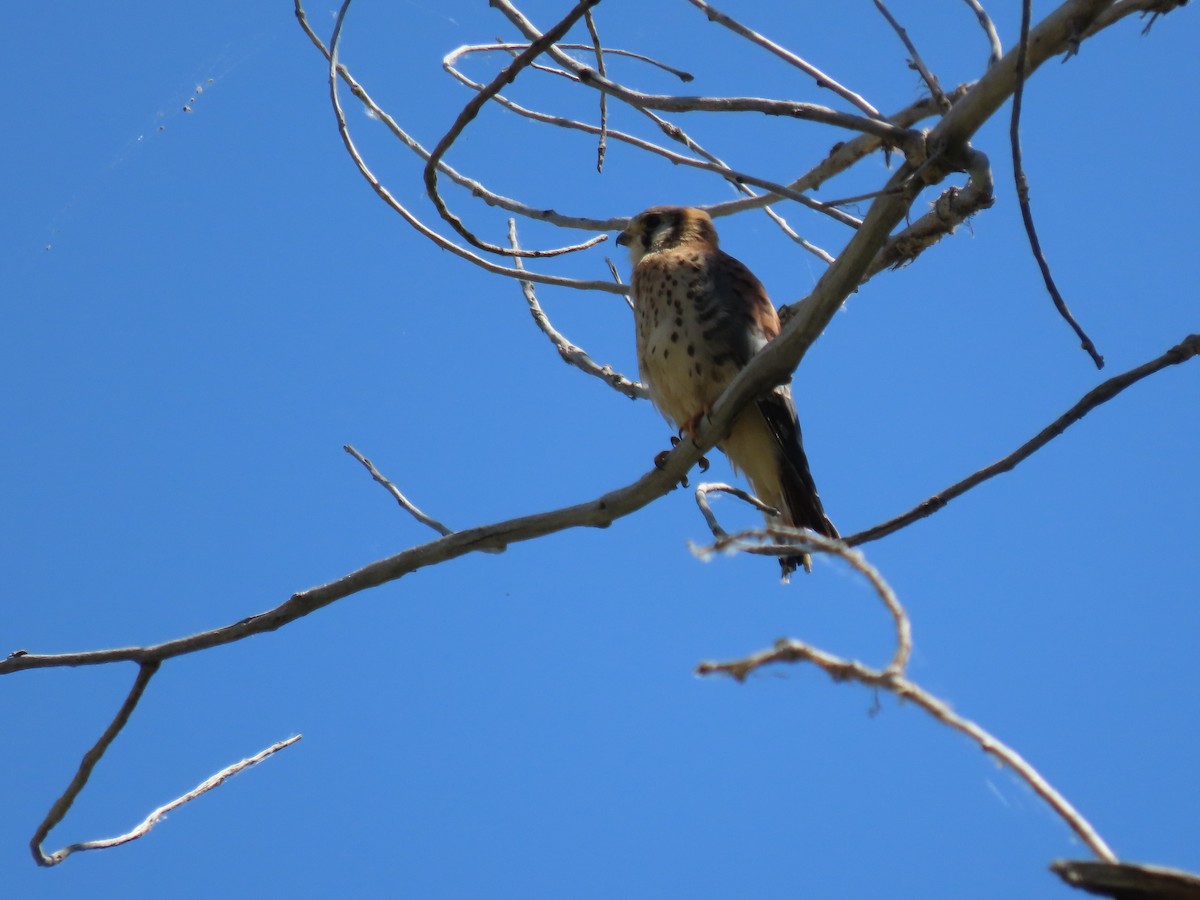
x=1186, y=349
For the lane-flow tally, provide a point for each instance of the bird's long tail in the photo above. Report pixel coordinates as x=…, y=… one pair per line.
x=800, y=502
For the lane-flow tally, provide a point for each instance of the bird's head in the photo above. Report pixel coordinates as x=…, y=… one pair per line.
x=664, y=227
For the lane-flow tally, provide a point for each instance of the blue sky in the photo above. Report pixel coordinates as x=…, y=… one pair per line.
x=203, y=307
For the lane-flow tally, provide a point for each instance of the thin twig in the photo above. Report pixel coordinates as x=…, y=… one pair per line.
x=1186, y=349
x=603, y=142
x=406, y=504
x=918, y=63
x=63, y=804
x=1023, y=191
x=839, y=669
x=155, y=817
x=572, y=354
x=995, y=48
x=823, y=80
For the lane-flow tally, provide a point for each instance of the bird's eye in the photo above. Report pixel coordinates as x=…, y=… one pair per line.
x=651, y=223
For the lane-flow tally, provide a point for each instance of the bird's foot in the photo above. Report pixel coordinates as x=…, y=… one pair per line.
x=689, y=427
x=661, y=459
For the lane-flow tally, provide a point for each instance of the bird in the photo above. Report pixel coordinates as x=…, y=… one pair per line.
x=701, y=315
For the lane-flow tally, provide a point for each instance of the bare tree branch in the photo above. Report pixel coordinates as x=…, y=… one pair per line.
x=62, y=805
x=405, y=504
x=142, y=829
x=1186, y=349
x=953, y=207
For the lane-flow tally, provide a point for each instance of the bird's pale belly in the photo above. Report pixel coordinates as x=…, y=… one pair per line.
x=684, y=378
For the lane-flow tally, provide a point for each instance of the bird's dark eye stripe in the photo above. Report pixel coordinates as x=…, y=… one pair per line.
x=651, y=222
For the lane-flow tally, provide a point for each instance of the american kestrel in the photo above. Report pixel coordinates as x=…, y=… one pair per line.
x=701, y=315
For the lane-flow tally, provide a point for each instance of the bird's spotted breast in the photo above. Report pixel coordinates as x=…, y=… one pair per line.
x=679, y=351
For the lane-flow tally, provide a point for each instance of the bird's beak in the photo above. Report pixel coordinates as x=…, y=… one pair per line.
x=623, y=239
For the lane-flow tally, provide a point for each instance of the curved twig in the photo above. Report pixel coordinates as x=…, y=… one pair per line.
x=471, y=110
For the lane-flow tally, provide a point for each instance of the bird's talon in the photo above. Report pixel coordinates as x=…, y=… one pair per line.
x=660, y=459
x=703, y=464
